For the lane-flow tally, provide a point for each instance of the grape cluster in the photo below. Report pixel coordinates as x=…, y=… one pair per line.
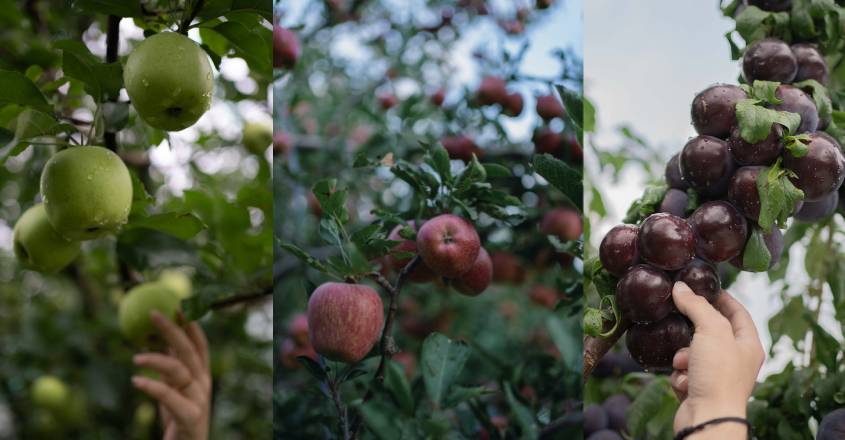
x=727, y=193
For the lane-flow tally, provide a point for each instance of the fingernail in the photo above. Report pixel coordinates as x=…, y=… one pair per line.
x=137, y=381
x=681, y=286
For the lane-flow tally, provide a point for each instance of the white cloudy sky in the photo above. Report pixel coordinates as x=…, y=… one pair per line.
x=643, y=66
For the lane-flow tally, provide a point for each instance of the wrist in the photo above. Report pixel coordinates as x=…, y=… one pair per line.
x=706, y=411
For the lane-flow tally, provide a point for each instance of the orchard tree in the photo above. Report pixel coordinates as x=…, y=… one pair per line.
x=423, y=241
x=128, y=186
x=764, y=175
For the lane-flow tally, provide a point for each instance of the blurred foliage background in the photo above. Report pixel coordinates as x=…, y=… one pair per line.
x=65, y=324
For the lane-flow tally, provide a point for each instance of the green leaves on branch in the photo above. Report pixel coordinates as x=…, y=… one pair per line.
x=102, y=80
x=562, y=176
x=442, y=361
x=16, y=88
x=755, y=121
x=647, y=204
x=756, y=256
x=778, y=196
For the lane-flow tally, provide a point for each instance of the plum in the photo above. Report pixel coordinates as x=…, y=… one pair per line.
x=707, y=165
x=618, y=249
x=616, y=364
x=674, y=202
x=769, y=59
x=796, y=101
x=821, y=170
x=616, y=407
x=743, y=194
x=714, y=109
x=595, y=419
x=720, y=231
x=811, y=63
x=774, y=243
x=644, y=294
x=666, y=241
x=764, y=152
x=605, y=434
x=832, y=426
x=654, y=345
x=673, y=174
x=815, y=211
x=702, y=278
x=772, y=5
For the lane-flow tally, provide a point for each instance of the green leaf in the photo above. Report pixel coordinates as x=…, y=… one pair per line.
x=778, y=197
x=524, y=416
x=651, y=413
x=397, y=384
x=304, y=257
x=460, y=395
x=756, y=256
x=562, y=176
x=647, y=204
x=439, y=161
x=249, y=44
x=182, y=225
x=442, y=362
x=102, y=81
x=597, y=203
x=755, y=122
x=495, y=170
x=789, y=322
x=593, y=322
x=16, y=88
x=820, y=97
x=28, y=125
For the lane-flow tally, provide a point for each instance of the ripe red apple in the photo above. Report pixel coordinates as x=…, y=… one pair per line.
x=460, y=147
x=438, y=97
x=282, y=142
x=507, y=268
x=492, y=91
x=449, y=245
x=421, y=273
x=513, y=104
x=388, y=101
x=344, y=320
x=544, y=296
x=290, y=351
x=285, y=47
x=298, y=329
x=565, y=223
x=476, y=280
x=548, y=141
x=549, y=107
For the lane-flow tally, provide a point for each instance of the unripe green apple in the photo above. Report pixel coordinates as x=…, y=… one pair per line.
x=145, y=416
x=87, y=192
x=177, y=281
x=50, y=392
x=169, y=80
x=135, y=308
x=38, y=246
x=257, y=137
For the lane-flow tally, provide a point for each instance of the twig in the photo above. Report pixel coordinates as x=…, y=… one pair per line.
x=341, y=409
x=596, y=348
x=245, y=297
x=112, y=45
x=186, y=23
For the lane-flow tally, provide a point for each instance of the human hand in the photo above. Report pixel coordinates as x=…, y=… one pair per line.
x=715, y=375
x=184, y=391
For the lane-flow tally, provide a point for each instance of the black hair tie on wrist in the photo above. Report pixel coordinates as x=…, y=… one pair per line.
x=686, y=432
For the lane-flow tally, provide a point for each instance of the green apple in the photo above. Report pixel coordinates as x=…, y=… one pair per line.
x=87, y=192
x=135, y=308
x=38, y=246
x=168, y=78
x=46, y=424
x=178, y=281
x=145, y=416
x=257, y=137
x=75, y=413
x=50, y=392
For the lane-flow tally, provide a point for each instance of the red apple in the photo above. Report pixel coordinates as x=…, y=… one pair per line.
x=282, y=142
x=438, y=97
x=565, y=223
x=476, y=280
x=548, y=141
x=449, y=245
x=507, y=268
x=460, y=147
x=387, y=101
x=513, y=104
x=492, y=91
x=290, y=351
x=314, y=205
x=298, y=329
x=421, y=273
x=544, y=296
x=285, y=47
x=548, y=107
x=344, y=320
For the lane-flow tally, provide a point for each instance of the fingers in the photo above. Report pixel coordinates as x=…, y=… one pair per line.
x=698, y=310
x=179, y=342
x=172, y=371
x=743, y=326
x=199, y=340
x=179, y=407
x=681, y=359
x=680, y=384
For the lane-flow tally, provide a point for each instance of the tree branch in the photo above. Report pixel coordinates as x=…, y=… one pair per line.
x=112, y=46
x=595, y=348
x=186, y=23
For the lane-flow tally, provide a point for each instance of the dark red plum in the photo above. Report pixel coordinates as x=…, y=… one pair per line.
x=743, y=194
x=774, y=243
x=605, y=434
x=769, y=59
x=714, y=110
x=595, y=419
x=796, y=101
x=702, y=278
x=674, y=202
x=616, y=407
x=812, y=212
x=618, y=249
x=832, y=426
x=811, y=63
x=654, y=345
x=821, y=170
x=616, y=364
x=666, y=241
x=673, y=174
x=720, y=231
x=764, y=152
x=772, y=5
x=707, y=165
x=644, y=294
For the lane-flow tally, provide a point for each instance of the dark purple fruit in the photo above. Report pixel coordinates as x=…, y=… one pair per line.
x=666, y=241
x=796, y=101
x=764, y=152
x=742, y=193
x=618, y=249
x=812, y=212
x=811, y=63
x=707, y=165
x=774, y=243
x=644, y=294
x=595, y=419
x=821, y=170
x=673, y=174
x=674, y=202
x=654, y=345
x=720, y=231
x=772, y=5
x=714, y=110
x=702, y=278
x=616, y=407
x=832, y=426
x=605, y=434
x=769, y=59
x=616, y=364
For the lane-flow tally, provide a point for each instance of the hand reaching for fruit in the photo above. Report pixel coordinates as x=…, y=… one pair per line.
x=184, y=389
x=715, y=375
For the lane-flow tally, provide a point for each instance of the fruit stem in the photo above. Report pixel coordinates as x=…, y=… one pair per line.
x=112, y=45
x=595, y=348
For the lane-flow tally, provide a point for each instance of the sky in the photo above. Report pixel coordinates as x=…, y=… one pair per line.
x=642, y=68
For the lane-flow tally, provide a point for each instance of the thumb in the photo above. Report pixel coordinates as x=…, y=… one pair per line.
x=695, y=307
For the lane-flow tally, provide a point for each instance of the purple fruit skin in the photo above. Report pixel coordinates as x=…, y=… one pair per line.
x=796, y=101
x=811, y=63
x=605, y=434
x=644, y=294
x=764, y=152
x=814, y=211
x=713, y=110
x=774, y=243
x=769, y=59
x=616, y=406
x=673, y=174
x=772, y=5
x=595, y=419
x=618, y=249
x=720, y=231
x=654, y=345
x=821, y=171
x=702, y=278
x=707, y=165
x=832, y=426
x=666, y=241
x=743, y=192
x=674, y=202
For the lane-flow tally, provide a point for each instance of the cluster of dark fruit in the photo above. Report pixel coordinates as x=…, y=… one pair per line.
x=608, y=420
x=722, y=171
